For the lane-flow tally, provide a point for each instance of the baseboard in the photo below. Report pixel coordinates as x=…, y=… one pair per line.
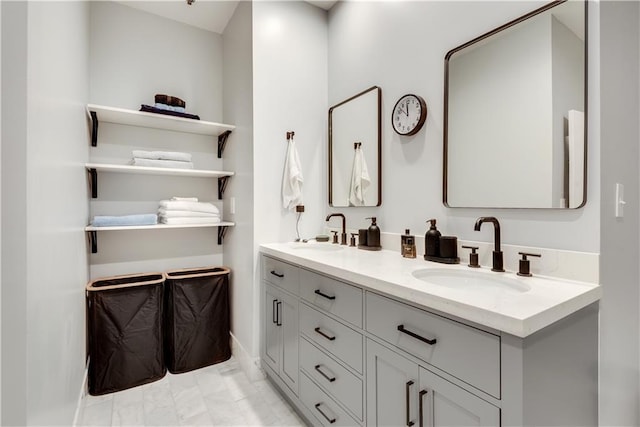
x=249, y=365
x=84, y=390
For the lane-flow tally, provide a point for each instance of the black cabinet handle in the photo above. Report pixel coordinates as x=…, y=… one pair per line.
x=274, y=316
x=319, y=292
x=331, y=420
x=421, y=395
x=330, y=379
x=277, y=274
x=416, y=336
x=407, y=391
x=324, y=335
x=279, y=313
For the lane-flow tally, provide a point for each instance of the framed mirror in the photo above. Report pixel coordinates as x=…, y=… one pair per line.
x=355, y=145
x=515, y=113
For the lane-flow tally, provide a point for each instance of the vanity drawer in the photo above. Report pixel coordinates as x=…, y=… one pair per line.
x=281, y=274
x=333, y=296
x=325, y=409
x=333, y=336
x=335, y=378
x=465, y=352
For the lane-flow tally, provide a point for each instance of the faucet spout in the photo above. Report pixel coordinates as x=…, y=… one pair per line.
x=497, y=252
x=343, y=235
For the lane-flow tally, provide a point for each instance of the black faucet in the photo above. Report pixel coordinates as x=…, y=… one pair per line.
x=497, y=253
x=343, y=236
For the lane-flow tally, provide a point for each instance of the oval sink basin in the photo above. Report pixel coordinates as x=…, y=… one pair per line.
x=319, y=247
x=471, y=280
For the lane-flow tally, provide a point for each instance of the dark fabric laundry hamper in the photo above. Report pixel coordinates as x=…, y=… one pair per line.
x=125, y=332
x=197, y=318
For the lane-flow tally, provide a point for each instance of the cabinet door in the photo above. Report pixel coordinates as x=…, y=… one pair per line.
x=445, y=404
x=288, y=312
x=272, y=335
x=392, y=384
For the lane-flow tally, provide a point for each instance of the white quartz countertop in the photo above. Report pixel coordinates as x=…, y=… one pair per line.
x=545, y=301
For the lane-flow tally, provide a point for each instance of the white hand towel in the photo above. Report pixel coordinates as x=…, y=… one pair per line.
x=292, y=178
x=176, y=221
x=185, y=199
x=172, y=164
x=178, y=205
x=168, y=213
x=162, y=155
x=360, y=179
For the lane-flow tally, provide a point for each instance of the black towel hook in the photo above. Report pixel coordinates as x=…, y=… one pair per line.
x=290, y=135
x=357, y=145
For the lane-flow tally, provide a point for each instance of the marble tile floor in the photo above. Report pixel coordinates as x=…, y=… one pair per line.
x=218, y=395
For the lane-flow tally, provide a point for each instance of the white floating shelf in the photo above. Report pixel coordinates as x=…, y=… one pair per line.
x=158, y=226
x=93, y=231
x=157, y=121
x=145, y=170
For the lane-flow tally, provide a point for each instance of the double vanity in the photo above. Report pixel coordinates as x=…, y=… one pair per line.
x=357, y=337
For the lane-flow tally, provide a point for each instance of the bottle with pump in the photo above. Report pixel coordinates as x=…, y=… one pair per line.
x=432, y=240
x=373, y=235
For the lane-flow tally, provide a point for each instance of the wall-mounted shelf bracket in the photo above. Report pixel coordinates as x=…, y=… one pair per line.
x=93, y=241
x=222, y=230
x=222, y=141
x=94, y=128
x=93, y=180
x=222, y=185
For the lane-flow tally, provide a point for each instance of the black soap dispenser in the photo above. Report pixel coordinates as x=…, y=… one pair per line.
x=373, y=235
x=432, y=241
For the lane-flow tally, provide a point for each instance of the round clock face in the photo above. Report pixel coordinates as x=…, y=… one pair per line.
x=409, y=114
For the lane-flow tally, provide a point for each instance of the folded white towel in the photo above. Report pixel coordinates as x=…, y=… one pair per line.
x=162, y=155
x=292, y=178
x=168, y=213
x=177, y=221
x=185, y=199
x=178, y=205
x=172, y=164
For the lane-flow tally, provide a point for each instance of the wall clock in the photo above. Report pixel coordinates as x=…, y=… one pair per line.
x=409, y=114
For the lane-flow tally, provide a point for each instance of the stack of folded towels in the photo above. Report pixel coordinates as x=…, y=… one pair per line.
x=170, y=105
x=187, y=210
x=162, y=159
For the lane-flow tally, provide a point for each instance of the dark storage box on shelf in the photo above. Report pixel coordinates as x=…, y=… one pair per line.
x=125, y=332
x=197, y=318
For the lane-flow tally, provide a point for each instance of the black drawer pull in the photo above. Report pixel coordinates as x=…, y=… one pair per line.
x=278, y=304
x=409, y=423
x=421, y=397
x=319, y=292
x=277, y=274
x=274, y=315
x=331, y=420
x=330, y=379
x=324, y=335
x=416, y=336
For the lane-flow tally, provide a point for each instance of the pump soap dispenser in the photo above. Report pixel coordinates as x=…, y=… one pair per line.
x=432, y=241
x=373, y=236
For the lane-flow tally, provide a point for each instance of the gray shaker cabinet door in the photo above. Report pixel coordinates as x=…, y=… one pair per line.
x=272, y=335
x=392, y=384
x=444, y=404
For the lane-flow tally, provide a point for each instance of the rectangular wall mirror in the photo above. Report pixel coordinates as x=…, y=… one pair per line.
x=515, y=113
x=355, y=145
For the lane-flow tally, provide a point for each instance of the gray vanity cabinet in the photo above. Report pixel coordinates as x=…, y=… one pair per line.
x=400, y=392
x=280, y=320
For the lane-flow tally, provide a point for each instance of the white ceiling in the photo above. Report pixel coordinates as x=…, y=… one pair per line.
x=211, y=15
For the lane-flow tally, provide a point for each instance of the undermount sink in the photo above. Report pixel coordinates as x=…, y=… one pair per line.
x=471, y=280
x=320, y=247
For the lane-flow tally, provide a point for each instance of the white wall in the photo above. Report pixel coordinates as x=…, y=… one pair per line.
x=238, y=157
x=400, y=46
x=290, y=94
x=45, y=207
x=133, y=56
x=620, y=251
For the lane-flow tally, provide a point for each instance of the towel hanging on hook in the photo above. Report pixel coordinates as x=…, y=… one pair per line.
x=292, y=177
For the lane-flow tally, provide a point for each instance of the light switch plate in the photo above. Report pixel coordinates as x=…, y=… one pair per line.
x=620, y=200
